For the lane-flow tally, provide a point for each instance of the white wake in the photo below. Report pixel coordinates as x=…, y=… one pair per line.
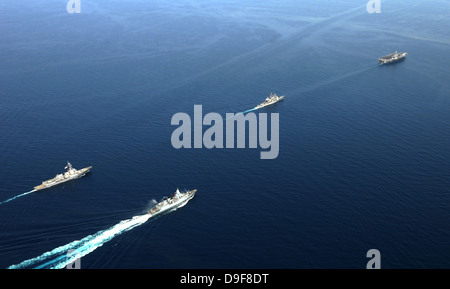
x=18, y=196
x=64, y=255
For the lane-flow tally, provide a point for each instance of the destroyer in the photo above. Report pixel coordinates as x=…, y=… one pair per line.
x=70, y=174
x=396, y=56
x=273, y=98
x=176, y=201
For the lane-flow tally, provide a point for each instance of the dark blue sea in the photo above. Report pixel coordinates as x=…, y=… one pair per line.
x=364, y=149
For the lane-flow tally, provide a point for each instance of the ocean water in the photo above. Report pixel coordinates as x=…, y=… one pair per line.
x=364, y=149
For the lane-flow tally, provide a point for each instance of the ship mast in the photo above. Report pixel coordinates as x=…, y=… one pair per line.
x=69, y=166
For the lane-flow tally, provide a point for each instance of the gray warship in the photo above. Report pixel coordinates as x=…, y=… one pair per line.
x=70, y=174
x=272, y=99
x=178, y=200
x=394, y=57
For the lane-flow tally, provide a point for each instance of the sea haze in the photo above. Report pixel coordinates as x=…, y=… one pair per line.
x=364, y=149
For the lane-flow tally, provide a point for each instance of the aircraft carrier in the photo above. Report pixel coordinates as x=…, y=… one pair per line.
x=394, y=57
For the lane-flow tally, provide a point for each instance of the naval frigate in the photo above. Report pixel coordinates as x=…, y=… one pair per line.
x=70, y=174
x=272, y=99
x=176, y=201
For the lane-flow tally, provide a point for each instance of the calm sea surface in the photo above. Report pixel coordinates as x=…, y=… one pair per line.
x=364, y=149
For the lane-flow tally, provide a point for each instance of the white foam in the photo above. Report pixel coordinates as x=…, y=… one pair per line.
x=59, y=257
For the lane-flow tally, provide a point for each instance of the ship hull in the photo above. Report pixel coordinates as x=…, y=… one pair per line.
x=81, y=173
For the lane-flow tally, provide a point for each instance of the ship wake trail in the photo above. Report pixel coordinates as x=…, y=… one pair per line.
x=64, y=255
x=248, y=110
x=18, y=196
